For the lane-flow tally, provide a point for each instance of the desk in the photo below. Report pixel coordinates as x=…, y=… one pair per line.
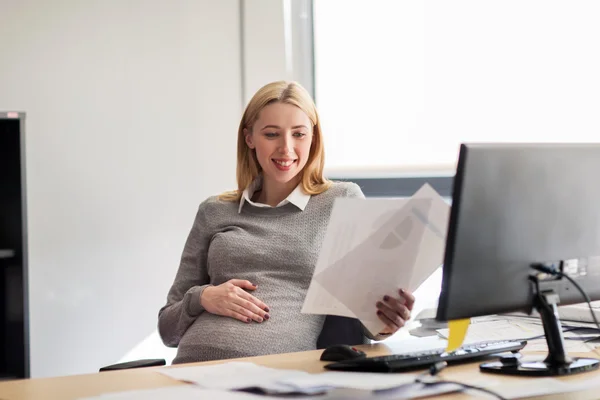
x=73, y=387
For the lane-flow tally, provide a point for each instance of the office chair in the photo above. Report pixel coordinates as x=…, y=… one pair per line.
x=155, y=362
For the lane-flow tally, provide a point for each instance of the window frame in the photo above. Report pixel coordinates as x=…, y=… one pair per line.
x=400, y=187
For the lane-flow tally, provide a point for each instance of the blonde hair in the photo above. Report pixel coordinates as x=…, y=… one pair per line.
x=248, y=168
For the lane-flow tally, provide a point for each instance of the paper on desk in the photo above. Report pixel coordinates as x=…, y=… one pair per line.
x=515, y=328
x=417, y=391
x=371, y=248
x=535, y=319
x=571, y=346
x=538, y=387
x=187, y=392
x=579, y=312
x=234, y=375
x=354, y=380
x=570, y=314
x=499, y=330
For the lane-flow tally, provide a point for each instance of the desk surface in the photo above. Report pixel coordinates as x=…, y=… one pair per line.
x=73, y=387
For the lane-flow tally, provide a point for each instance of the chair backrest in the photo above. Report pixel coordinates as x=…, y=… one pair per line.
x=155, y=362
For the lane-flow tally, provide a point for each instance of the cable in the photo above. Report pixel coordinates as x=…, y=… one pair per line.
x=436, y=368
x=585, y=296
x=555, y=272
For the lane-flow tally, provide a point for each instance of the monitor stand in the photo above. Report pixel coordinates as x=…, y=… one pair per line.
x=557, y=362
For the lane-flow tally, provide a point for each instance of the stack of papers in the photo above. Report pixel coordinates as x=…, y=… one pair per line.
x=504, y=329
x=532, y=387
x=235, y=375
x=380, y=245
x=580, y=312
x=238, y=375
x=349, y=380
x=184, y=392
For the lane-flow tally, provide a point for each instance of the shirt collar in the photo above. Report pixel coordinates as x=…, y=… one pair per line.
x=297, y=197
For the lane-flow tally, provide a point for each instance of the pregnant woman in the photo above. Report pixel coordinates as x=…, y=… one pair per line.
x=249, y=258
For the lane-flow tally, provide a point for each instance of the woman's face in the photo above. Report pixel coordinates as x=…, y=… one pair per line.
x=282, y=137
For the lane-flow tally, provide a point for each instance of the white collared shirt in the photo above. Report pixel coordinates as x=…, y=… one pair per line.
x=297, y=197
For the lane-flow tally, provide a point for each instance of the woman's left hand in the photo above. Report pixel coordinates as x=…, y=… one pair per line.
x=395, y=311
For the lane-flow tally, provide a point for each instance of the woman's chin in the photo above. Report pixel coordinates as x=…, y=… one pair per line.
x=284, y=177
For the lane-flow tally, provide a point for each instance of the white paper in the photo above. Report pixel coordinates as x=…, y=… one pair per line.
x=498, y=330
x=237, y=375
x=579, y=312
x=515, y=328
x=571, y=346
x=373, y=247
x=571, y=314
x=234, y=375
x=535, y=319
x=184, y=392
x=417, y=391
x=542, y=386
x=349, y=380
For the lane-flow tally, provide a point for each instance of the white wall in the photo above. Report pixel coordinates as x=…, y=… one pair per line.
x=264, y=30
x=277, y=43
x=132, y=108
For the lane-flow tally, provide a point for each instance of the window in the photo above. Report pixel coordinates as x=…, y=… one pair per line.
x=399, y=84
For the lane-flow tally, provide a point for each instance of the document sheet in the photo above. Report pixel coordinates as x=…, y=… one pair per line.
x=373, y=247
x=237, y=375
x=184, y=392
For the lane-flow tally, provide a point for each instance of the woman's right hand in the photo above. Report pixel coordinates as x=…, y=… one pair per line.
x=231, y=300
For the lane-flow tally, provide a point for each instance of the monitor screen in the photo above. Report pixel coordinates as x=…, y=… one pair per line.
x=514, y=205
x=517, y=208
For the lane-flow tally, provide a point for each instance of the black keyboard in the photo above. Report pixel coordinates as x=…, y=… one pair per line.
x=424, y=359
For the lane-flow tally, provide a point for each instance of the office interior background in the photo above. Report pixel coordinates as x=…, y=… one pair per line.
x=133, y=106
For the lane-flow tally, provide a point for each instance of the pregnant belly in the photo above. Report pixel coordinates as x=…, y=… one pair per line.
x=214, y=337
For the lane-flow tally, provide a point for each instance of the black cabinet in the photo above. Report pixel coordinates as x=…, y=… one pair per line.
x=14, y=341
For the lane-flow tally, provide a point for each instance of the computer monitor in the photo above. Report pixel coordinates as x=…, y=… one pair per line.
x=516, y=207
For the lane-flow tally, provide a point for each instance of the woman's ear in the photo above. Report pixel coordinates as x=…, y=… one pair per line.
x=248, y=137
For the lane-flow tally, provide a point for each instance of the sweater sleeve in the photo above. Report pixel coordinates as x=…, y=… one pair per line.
x=183, y=300
x=353, y=191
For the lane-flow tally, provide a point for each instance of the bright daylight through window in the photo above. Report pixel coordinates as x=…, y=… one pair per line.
x=399, y=84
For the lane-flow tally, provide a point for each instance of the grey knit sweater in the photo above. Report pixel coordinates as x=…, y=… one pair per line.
x=274, y=248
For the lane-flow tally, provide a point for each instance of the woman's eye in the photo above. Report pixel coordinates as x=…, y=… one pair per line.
x=299, y=134
x=270, y=135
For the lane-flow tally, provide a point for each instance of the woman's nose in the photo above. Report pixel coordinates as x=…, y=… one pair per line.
x=285, y=147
